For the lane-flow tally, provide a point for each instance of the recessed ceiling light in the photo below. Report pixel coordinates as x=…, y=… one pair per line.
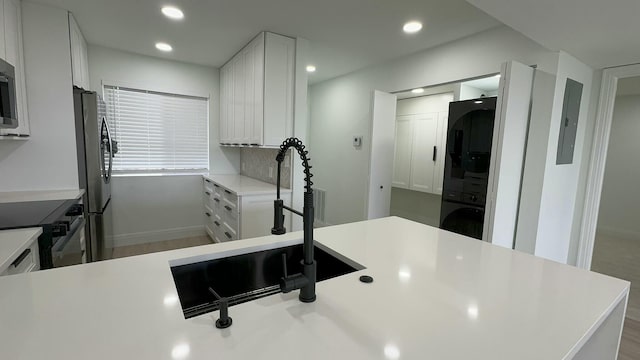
x=172, y=12
x=412, y=27
x=311, y=68
x=417, y=91
x=163, y=47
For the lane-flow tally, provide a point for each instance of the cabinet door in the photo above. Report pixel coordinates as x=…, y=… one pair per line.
x=255, y=90
x=84, y=63
x=249, y=95
x=2, y=41
x=425, y=127
x=76, y=52
x=402, y=153
x=441, y=143
x=278, y=88
x=14, y=54
x=238, y=99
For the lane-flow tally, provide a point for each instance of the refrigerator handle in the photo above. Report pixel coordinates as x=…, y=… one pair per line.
x=109, y=146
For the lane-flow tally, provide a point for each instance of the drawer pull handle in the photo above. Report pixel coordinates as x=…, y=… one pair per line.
x=217, y=223
x=207, y=180
x=227, y=191
x=216, y=200
x=208, y=193
x=216, y=185
x=209, y=215
x=227, y=234
x=227, y=207
x=21, y=258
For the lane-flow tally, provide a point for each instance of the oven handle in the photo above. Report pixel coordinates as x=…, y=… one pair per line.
x=62, y=243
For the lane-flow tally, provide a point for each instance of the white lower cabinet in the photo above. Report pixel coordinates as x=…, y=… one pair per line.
x=229, y=216
x=27, y=261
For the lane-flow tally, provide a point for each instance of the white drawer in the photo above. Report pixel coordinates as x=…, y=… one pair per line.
x=228, y=233
x=217, y=189
x=208, y=185
x=27, y=261
x=230, y=197
x=212, y=233
x=229, y=210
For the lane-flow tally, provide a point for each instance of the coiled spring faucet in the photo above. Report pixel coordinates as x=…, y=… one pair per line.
x=305, y=281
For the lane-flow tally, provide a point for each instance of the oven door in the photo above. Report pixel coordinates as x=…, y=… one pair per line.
x=70, y=249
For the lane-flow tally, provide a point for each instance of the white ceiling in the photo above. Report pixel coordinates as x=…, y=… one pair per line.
x=345, y=35
x=602, y=33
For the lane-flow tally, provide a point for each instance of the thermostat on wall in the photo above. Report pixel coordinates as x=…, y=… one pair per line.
x=357, y=141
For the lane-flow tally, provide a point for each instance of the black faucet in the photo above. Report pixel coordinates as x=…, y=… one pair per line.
x=306, y=281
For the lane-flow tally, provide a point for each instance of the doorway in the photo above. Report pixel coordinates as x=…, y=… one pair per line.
x=616, y=249
x=422, y=117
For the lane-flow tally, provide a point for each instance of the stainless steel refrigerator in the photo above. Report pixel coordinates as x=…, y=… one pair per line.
x=96, y=149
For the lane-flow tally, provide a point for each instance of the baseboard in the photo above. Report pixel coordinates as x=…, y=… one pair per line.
x=618, y=233
x=157, y=235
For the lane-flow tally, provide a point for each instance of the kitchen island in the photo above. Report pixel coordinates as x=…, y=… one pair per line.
x=435, y=295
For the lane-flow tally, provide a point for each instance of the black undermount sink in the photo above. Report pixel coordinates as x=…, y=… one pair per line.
x=247, y=277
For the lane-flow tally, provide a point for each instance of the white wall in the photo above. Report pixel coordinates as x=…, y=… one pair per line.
x=155, y=208
x=620, y=201
x=560, y=191
x=341, y=108
x=48, y=159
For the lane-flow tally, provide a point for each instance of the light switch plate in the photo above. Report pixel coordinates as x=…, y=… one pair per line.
x=357, y=141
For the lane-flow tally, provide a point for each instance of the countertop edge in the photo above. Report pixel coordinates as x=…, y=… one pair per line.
x=245, y=192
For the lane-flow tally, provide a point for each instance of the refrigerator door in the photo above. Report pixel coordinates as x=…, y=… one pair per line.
x=101, y=234
x=95, y=158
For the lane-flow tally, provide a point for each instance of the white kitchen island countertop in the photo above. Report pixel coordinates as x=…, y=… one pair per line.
x=244, y=185
x=12, y=243
x=436, y=295
x=40, y=195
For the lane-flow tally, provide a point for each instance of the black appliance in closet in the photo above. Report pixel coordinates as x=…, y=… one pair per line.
x=466, y=172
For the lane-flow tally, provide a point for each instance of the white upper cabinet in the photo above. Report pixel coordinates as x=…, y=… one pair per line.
x=256, y=92
x=11, y=50
x=79, y=57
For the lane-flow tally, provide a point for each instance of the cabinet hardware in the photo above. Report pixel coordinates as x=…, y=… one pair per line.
x=208, y=193
x=21, y=258
x=207, y=180
x=216, y=185
x=209, y=215
x=217, y=223
x=227, y=191
x=435, y=151
x=216, y=200
x=227, y=234
x=227, y=207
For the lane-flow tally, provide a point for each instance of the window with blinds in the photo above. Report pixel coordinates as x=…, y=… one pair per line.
x=158, y=131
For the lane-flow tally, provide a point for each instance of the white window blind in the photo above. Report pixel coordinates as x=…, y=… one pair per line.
x=158, y=131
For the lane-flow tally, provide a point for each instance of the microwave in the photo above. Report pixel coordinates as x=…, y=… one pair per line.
x=8, y=108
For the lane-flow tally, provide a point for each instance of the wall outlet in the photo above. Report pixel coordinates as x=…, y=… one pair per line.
x=357, y=141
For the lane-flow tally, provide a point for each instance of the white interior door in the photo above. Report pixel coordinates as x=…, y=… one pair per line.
x=402, y=158
x=507, y=153
x=423, y=154
x=381, y=162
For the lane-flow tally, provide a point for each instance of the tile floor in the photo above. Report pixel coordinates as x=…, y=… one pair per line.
x=621, y=258
x=140, y=249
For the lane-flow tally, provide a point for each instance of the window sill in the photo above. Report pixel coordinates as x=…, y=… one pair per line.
x=159, y=173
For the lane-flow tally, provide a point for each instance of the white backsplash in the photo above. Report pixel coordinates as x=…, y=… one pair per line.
x=261, y=164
